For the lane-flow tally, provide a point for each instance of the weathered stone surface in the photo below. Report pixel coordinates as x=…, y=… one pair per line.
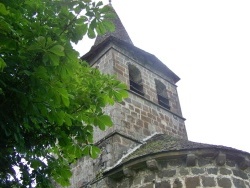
x=163, y=184
x=224, y=182
x=239, y=183
x=149, y=178
x=221, y=159
x=203, y=162
x=124, y=183
x=175, y=162
x=169, y=173
x=137, y=181
x=184, y=171
x=128, y=172
x=197, y=170
x=192, y=182
x=212, y=171
x=225, y=171
x=208, y=181
x=177, y=183
x=148, y=186
x=152, y=164
x=230, y=163
x=244, y=164
x=240, y=174
x=191, y=160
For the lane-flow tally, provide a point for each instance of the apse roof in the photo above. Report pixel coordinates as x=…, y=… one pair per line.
x=166, y=143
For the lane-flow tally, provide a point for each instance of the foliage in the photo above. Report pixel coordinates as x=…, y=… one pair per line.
x=49, y=100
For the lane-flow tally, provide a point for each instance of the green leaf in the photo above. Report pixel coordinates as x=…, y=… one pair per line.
x=2, y=64
x=41, y=41
x=102, y=121
x=93, y=24
x=71, y=54
x=94, y=152
x=3, y=9
x=100, y=3
x=101, y=30
x=86, y=150
x=91, y=33
x=64, y=96
x=35, y=164
x=67, y=119
x=80, y=31
x=108, y=25
x=105, y=9
x=54, y=59
x=57, y=50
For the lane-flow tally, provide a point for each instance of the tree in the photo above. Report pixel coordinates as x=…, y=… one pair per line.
x=50, y=100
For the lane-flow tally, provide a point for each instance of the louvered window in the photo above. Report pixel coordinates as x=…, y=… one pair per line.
x=162, y=95
x=163, y=101
x=135, y=80
x=138, y=88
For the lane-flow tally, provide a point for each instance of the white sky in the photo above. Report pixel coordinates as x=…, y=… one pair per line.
x=207, y=44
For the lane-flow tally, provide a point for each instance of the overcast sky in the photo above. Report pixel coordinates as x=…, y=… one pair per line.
x=207, y=44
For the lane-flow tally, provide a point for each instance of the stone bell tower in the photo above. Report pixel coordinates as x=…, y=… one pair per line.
x=153, y=103
x=152, y=106
x=147, y=147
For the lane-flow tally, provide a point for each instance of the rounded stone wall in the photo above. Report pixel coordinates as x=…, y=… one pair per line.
x=182, y=169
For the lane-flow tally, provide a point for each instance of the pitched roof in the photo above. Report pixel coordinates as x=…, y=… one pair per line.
x=121, y=38
x=136, y=53
x=165, y=143
x=120, y=31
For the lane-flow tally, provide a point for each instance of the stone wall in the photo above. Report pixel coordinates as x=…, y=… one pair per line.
x=121, y=62
x=176, y=173
x=140, y=116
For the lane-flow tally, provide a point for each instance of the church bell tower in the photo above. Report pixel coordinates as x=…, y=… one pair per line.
x=152, y=106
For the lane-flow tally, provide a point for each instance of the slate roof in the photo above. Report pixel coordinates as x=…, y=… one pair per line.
x=149, y=60
x=165, y=143
x=120, y=31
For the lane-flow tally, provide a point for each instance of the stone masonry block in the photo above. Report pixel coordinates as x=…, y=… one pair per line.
x=163, y=184
x=184, y=171
x=177, y=183
x=240, y=174
x=239, y=183
x=224, y=182
x=191, y=160
x=208, y=181
x=148, y=186
x=225, y=171
x=198, y=171
x=212, y=171
x=244, y=164
x=149, y=178
x=169, y=173
x=192, y=182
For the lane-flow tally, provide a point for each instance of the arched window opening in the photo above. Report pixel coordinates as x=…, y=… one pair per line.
x=162, y=95
x=135, y=80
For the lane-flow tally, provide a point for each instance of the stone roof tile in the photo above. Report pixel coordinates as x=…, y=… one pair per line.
x=165, y=143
